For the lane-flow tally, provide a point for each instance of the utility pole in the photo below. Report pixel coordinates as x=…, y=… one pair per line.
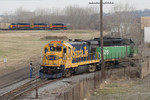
x=101, y=36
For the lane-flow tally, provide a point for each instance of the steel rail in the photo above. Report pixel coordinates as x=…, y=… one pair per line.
x=26, y=88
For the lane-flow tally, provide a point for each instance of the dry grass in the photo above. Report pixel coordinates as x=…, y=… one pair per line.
x=19, y=47
x=124, y=89
x=117, y=86
x=114, y=90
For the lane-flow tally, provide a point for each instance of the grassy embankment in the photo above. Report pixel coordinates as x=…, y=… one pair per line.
x=124, y=89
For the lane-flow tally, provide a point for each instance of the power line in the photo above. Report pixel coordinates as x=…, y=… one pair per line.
x=102, y=3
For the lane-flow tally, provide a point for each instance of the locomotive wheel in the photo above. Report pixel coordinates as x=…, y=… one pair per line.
x=67, y=73
x=92, y=68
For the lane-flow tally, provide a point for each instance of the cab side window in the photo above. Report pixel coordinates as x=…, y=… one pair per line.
x=46, y=49
x=64, y=50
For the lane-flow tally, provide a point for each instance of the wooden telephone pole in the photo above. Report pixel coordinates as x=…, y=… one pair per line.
x=101, y=36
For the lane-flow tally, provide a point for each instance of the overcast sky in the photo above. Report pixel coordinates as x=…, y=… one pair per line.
x=31, y=5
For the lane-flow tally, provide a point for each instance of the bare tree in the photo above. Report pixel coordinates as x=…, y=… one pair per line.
x=80, y=18
x=22, y=15
x=7, y=18
x=124, y=20
x=75, y=16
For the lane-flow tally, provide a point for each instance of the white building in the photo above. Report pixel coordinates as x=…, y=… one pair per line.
x=147, y=34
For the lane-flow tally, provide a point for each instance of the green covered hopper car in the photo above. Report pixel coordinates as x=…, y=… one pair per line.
x=117, y=52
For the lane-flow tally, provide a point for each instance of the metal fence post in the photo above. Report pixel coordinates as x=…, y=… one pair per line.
x=36, y=89
x=72, y=93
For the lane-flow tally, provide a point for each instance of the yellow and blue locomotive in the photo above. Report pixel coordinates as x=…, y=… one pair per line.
x=63, y=59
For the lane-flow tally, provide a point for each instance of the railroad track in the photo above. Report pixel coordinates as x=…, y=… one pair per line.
x=26, y=88
x=4, y=85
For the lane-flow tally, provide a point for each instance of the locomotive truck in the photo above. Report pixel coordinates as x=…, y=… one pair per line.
x=65, y=58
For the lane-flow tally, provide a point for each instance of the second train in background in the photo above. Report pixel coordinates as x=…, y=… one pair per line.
x=34, y=26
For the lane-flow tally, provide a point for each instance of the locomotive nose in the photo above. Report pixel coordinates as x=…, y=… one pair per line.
x=52, y=57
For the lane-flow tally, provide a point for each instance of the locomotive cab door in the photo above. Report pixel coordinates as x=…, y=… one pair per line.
x=67, y=57
x=64, y=53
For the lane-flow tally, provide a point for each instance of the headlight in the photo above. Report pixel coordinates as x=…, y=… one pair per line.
x=58, y=67
x=42, y=68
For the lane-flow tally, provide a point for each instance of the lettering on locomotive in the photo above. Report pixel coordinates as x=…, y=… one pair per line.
x=80, y=53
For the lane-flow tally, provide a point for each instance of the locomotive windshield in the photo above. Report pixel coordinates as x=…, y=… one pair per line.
x=58, y=48
x=55, y=48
